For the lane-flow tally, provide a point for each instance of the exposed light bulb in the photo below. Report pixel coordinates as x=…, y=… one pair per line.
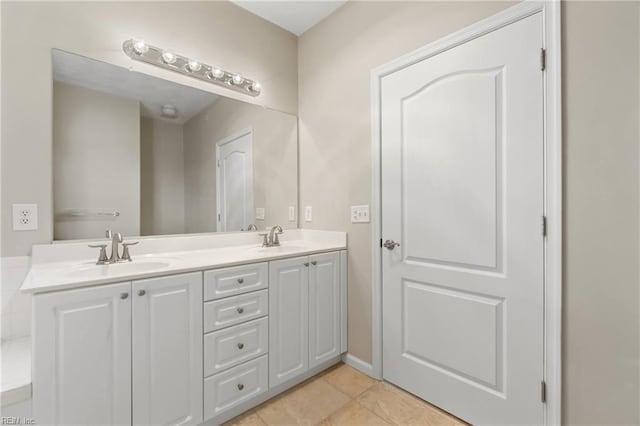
x=256, y=86
x=237, y=79
x=194, y=66
x=140, y=47
x=217, y=73
x=168, y=57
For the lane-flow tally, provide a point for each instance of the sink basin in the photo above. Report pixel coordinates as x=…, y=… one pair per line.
x=95, y=271
x=280, y=249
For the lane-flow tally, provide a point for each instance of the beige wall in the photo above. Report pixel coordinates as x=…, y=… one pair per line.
x=96, y=161
x=161, y=177
x=601, y=174
x=601, y=79
x=215, y=32
x=275, y=161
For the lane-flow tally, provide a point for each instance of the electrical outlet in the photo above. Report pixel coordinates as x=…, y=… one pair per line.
x=25, y=217
x=260, y=213
x=360, y=214
x=292, y=214
x=308, y=214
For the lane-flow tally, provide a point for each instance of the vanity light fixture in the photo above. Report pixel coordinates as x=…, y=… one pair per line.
x=143, y=52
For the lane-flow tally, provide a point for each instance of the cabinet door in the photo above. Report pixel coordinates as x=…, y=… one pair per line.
x=324, y=308
x=288, y=319
x=82, y=356
x=167, y=350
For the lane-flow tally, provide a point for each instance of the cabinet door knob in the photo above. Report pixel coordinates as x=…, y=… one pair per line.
x=306, y=264
x=240, y=386
x=240, y=280
x=141, y=292
x=124, y=295
x=240, y=345
x=240, y=310
x=314, y=263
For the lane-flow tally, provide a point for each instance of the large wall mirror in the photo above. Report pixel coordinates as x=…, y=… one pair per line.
x=146, y=156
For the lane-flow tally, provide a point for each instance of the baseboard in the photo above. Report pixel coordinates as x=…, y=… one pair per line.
x=358, y=364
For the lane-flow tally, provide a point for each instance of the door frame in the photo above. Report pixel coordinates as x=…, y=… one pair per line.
x=230, y=138
x=552, y=186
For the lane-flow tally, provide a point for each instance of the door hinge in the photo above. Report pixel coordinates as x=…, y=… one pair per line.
x=544, y=226
x=543, y=391
x=543, y=59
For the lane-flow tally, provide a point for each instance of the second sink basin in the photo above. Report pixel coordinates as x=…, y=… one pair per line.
x=93, y=271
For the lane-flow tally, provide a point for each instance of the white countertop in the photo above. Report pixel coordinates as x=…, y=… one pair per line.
x=46, y=276
x=16, y=370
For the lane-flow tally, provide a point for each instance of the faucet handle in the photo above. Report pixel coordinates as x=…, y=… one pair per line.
x=108, y=234
x=276, y=240
x=265, y=240
x=102, y=258
x=126, y=256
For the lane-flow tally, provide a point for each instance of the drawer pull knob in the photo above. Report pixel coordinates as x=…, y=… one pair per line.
x=240, y=386
x=306, y=264
x=240, y=280
x=124, y=295
x=240, y=345
x=314, y=263
x=240, y=310
x=141, y=293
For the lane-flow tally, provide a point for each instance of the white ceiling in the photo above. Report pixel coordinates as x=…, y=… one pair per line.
x=151, y=92
x=294, y=16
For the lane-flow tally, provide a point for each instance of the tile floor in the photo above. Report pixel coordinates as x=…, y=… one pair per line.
x=344, y=396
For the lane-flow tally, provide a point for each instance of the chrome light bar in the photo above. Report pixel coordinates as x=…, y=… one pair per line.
x=141, y=51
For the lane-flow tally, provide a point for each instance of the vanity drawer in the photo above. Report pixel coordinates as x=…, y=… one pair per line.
x=234, y=345
x=220, y=283
x=234, y=310
x=233, y=387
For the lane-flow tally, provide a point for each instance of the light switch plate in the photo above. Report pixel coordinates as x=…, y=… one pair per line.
x=360, y=214
x=292, y=214
x=259, y=213
x=308, y=214
x=25, y=217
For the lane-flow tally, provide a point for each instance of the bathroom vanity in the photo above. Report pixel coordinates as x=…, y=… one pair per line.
x=195, y=329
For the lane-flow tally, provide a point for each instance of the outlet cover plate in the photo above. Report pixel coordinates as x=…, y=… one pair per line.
x=25, y=217
x=292, y=214
x=360, y=214
x=308, y=214
x=259, y=213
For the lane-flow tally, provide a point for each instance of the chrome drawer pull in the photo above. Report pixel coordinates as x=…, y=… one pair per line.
x=240, y=310
x=240, y=280
x=240, y=386
x=124, y=295
x=240, y=345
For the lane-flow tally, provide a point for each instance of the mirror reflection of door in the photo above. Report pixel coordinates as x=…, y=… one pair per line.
x=234, y=183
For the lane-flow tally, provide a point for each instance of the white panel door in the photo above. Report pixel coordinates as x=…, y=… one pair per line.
x=82, y=356
x=167, y=350
x=462, y=192
x=288, y=319
x=235, y=182
x=324, y=308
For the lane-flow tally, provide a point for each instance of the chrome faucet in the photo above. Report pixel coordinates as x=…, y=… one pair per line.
x=252, y=227
x=271, y=239
x=116, y=238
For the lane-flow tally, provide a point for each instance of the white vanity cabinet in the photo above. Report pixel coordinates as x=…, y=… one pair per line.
x=289, y=319
x=82, y=353
x=167, y=350
x=93, y=345
x=305, y=312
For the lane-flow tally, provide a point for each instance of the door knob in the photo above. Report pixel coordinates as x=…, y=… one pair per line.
x=240, y=310
x=141, y=293
x=240, y=345
x=240, y=386
x=240, y=280
x=124, y=295
x=390, y=244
